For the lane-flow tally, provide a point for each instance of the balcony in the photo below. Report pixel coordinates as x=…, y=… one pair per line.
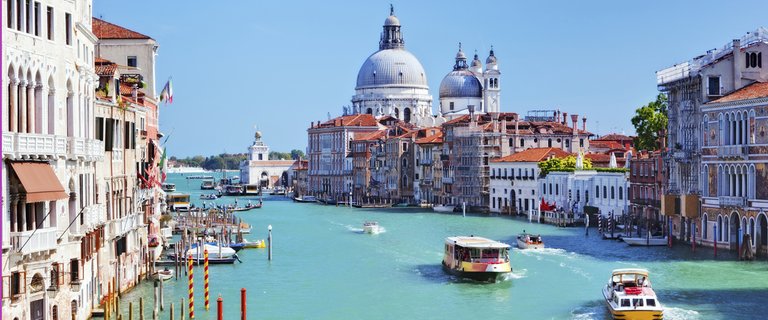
x=34, y=241
x=33, y=145
x=425, y=162
x=121, y=226
x=89, y=149
x=734, y=151
x=728, y=201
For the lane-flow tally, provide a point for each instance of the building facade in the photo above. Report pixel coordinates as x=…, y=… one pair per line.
x=258, y=169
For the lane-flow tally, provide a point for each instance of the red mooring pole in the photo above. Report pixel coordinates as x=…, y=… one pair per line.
x=220, y=308
x=242, y=304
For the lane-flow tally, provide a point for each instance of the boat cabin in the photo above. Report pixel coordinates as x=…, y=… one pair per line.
x=168, y=187
x=632, y=289
x=476, y=250
x=207, y=184
x=177, y=201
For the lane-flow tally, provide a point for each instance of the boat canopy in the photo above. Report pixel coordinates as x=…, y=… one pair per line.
x=476, y=242
x=629, y=271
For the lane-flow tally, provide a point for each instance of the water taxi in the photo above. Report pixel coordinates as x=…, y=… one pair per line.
x=207, y=184
x=629, y=295
x=476, y=258
x=371, y=227
x=254, y=244
x=177, y=201
x=165, y=274
x=233, y=190
x=168, y=187
x=529, y=241
x=251, y=189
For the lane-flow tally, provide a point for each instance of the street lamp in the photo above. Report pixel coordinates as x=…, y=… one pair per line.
x=269, y=242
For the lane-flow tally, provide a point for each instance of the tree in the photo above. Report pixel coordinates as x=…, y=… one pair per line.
x=562, y=164
x=296, y=154
x=649, y=121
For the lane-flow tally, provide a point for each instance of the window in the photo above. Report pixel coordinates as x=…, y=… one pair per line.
x=597, y=191
x=753, y=59
x=28, y=17
x=68, y=28
x=19, y=14
x=36, y=25
x=18, y=284
x=613, y=192
x=451, y=106
x=605, y=192
x=49, y=22
x=522, y=142
x=132, y=62
x=9, y=13
x=713, y=86
x=567, y=143
x=549, y=143
x=581, y=142
x=650, y=302
x=621, y=193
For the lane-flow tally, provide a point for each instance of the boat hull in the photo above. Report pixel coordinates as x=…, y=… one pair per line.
x=525, y=245
x=646, y=241
x=371, y=229
x=443, y=208
x=479, y=271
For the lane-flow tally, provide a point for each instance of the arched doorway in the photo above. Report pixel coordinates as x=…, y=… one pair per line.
x=733, y=234
x=762, y=233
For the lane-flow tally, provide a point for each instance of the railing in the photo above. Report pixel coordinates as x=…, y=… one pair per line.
x=85, y=148
x=34, y=240
x=425, y=162
x=732, y=151
x=729, y=201
x=448, y=180
x=19, y=145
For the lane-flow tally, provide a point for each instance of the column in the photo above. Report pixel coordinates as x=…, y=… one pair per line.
x=44, y=116
x=13, y=214
x=23, y=106
x=13, y=118
x=744, y=184
x=31, y=107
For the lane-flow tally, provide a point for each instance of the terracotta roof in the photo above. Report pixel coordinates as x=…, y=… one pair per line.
x=614, y=137
x=370, y=135
x=365, y=120
x=105, y=67
x=752, y=91
x=602, y=159
x=106, y=30
x=605, y=144
x=534, y=155
x=431, y=139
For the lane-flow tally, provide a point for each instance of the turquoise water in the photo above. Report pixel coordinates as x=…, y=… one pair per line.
x=324, y=267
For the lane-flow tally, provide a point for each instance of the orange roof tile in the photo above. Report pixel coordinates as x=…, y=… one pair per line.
x=615, y=137
x=534, y=155
x=431, y=139
x=370, y=135
x=106, y=30
x=606, y=144
x=752, y=91
x=365, y=120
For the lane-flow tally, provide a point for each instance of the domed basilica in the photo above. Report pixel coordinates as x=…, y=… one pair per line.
x=392, y=82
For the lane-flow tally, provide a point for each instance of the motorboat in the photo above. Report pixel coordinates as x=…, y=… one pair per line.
x=443, y=208
x=210, y=196
x=629, y=295
x=371, y=227
x=251, y=189
x=168, y=187
x=529, y=241
x=646, y=241
x=328, y=201
x=305, y=199
x=207, y=184
x=254, y=244
x=476, y=258
x=165, y=274
x=233, y=190
x=177, y=201
x=401, y=205
x=278, y=191
x=372, y=205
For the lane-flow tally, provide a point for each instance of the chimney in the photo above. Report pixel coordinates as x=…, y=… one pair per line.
x=565, y=118
x=341, y=121
x=738, y=61
x=584, y=123
x=575, y=121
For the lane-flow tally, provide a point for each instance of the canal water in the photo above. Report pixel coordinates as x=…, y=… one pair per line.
x=324, y=267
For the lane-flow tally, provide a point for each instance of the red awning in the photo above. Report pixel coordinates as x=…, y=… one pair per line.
x=39, y=181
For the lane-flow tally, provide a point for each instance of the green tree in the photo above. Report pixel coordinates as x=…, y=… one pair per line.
x=562, y=164
x=296, y=154
x=649, y=120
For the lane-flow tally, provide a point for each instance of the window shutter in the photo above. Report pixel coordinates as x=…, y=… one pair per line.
x=108, y=135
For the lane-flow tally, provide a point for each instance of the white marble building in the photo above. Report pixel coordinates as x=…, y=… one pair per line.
x=607, y=191
x=258, y=169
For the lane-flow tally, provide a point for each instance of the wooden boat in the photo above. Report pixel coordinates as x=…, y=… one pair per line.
x=476, y=258
x=648, y=241
x=371, y=227
x=168, y=187
x=628, y=295
x=246, y=208
x=165, y=274
x=328, y=201
x=210, y=196
x=529, y=241
x=443, y=208
x=305, y=199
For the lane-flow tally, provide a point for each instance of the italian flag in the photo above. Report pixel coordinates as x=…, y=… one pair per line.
x=167, y=94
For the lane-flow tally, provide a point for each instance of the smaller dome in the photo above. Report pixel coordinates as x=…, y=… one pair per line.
x=491, y=58
x=257, y=135
x=391, y=21
x=460, y=55
x=476, y=62
x=460, y=84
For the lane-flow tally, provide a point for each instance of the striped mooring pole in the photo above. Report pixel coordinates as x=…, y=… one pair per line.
x=205, y=284
x=191, y=288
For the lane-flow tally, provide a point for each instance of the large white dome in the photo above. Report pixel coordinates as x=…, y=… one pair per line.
x=391, y=68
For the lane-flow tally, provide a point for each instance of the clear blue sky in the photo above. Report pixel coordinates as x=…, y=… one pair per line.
x=281, y=65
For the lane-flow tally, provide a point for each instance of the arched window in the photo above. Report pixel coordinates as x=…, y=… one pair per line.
x=407, y=115
x=369, y=111
x=397, y=113
x=704, y=225
x=522, y=142
x=549, y=143
x=719, y=226
x=557, y=189
x=405, y=162
x=613, y=192
x=605, y=192
x=752, y=230
x=621, y=193
x=405, y=181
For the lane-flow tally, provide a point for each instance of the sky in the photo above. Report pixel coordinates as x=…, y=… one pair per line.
x=280, y=65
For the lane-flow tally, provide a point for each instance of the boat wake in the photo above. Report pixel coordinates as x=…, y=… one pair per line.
x=548, y=252
x=360, y=230
x=516, y=274
x=680, y=313
x=592, y=310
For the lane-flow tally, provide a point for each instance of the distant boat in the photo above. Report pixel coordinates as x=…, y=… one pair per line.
x=373, y=205
x=209, y=196
x=207, y=184
x=251, y=189
x=197, y=177
x=305, y=199
x=233, y=190
x=371, y=227
x=328, y=201
x=650, y=241
x=165, y=274
x=254, y=244
x=401, y=205
x=529, y=241
x=168, y=187
x=443, y=208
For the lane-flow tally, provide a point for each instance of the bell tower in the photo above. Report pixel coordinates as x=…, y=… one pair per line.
x=492, y=90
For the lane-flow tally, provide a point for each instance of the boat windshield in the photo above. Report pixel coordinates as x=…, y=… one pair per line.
x=487, y=255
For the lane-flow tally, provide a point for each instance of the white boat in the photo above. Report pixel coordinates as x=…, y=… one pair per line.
x=305, y=199
x=443, y=208
x=167, y=234
x=648, y=241
x=371, y=227
x=213, y=251
x=476, y=258
x=164, y=275
x=168, y=187
x=628, y=295
x=529, y=241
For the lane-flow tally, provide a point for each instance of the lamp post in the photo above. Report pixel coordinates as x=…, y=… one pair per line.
x=269, y=241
